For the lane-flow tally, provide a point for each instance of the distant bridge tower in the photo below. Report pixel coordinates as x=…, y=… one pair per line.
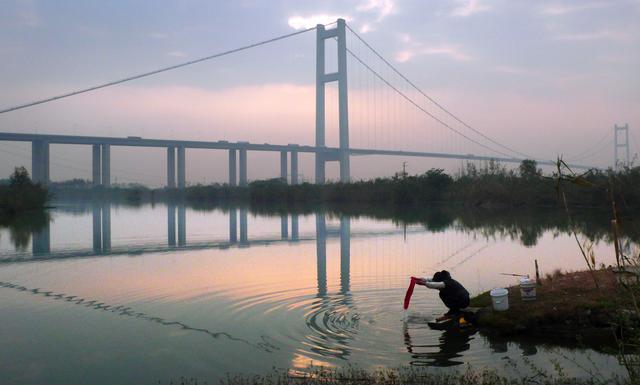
x=339, y=33
x=618, y=132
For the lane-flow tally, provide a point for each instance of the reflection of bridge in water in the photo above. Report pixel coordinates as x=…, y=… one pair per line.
x=177, y=239
x=333, y=318
x=177, y=236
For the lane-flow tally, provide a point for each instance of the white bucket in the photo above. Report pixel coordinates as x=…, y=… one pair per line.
x=527, y=289
x=500, y=299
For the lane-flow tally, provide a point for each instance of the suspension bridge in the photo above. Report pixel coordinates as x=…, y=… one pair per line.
x=399, y=119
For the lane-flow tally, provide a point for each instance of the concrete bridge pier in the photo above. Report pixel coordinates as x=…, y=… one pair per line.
x=171, y=167
x=40, y=161
x=233, y=167
x=96, y=175
x=106, y=165
x=283, y=166
x=294, y=167
x=181, y=167
x=243, y=167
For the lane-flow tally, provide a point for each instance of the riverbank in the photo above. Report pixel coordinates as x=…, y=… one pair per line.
x=489, y=186
x=405, y=376
x=568, y=306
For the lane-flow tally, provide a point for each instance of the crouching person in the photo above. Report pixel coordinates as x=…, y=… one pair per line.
x=452, y=293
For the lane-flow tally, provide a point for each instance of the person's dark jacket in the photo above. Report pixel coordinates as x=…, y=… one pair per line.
x=454, y=295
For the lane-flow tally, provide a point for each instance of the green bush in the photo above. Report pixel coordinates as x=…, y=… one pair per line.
x=21, y=194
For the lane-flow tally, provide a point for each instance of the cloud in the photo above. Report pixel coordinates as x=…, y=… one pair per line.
x=563, y=9
x=468, y=8
x=383, y=7
x=417, y=49
x=365, y=28
x=177, y=54
x=598, y=35
x=302, y=22
x=449, y=51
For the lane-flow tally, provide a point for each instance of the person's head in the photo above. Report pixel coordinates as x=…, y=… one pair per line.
x=440, y=276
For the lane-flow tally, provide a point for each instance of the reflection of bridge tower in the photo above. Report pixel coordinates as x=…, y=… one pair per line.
x=332, y=312
x=244, y=236
x=171, y=224
x=182, y=225
x=233, y=226
x=284, y=227
x=617, y=144
x=321, y=254
x=345, y=254
x=97, y=227
x=41, y=240
x=339, y=33
x=101, y=227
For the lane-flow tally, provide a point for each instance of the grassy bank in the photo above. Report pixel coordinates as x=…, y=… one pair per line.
x=568, y=306
x=401, y=376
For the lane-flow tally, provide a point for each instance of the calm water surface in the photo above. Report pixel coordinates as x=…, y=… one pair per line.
x=118, y=295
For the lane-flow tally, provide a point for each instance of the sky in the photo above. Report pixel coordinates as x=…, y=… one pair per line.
x=545, y=78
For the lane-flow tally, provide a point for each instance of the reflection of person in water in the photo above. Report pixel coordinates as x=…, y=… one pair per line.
x=451, y=344
x=452, y=293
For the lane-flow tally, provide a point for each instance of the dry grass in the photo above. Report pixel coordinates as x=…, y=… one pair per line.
x=565, y=302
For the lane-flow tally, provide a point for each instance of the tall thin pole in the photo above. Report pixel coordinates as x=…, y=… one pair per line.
x=615, y=147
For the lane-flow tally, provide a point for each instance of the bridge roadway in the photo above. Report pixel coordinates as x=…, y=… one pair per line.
x=101, y=154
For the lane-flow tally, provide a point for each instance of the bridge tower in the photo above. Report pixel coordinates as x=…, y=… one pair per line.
x=339, y=33
x=617, y=144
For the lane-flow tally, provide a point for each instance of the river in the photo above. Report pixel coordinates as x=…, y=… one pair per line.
x=109, y=294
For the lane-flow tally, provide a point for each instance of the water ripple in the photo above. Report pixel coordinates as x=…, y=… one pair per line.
x=122, y=310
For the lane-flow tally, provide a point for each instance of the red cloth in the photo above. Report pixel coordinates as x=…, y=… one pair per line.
x=407, y=297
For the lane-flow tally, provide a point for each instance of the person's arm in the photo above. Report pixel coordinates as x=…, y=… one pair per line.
x=434, y=285
x=428, y=282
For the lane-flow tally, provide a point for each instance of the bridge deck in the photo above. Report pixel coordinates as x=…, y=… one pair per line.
x=224, y=145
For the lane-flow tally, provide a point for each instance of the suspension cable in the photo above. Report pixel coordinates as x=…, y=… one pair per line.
x=413, y=85
x=593, y=146
x=423, y=109
x=154, y=72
